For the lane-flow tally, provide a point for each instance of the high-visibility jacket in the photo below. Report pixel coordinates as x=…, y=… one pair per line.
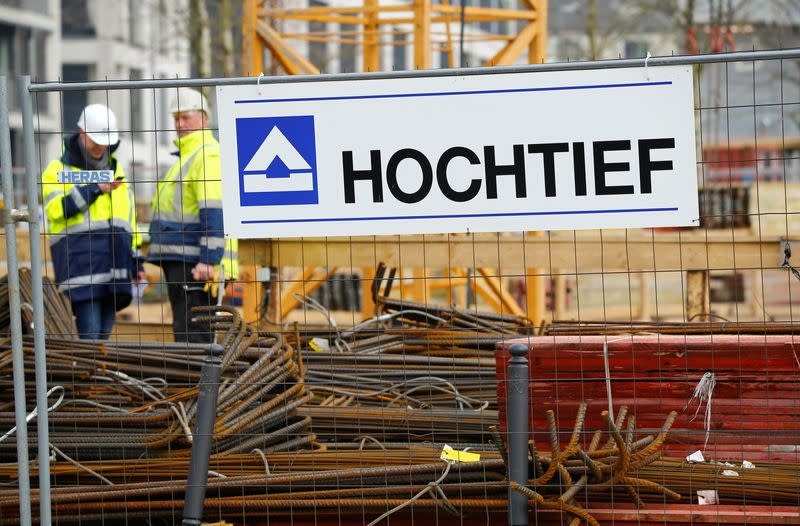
x=93, y=238
x=187, y=208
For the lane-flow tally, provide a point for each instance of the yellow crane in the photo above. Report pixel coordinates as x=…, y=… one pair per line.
x=432, y=28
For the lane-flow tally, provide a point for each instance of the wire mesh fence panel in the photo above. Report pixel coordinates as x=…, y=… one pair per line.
x=365, y=379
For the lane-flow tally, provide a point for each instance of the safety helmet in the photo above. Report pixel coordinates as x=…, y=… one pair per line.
x=100, y=124
x=188, y=99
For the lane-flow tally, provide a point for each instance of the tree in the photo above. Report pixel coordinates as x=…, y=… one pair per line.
x=200, y=36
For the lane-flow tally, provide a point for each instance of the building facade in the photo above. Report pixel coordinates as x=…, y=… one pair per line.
x=30, y=32
x=127, y=39
x=81, y=40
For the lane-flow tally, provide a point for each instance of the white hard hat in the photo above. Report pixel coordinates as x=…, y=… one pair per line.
x=100, y=124
x=188, y=99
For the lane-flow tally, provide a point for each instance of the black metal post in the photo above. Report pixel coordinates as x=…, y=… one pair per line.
x=201, y=438
x=517, y=404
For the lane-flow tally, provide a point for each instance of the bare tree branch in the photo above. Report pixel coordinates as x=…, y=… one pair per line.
x=200, y=36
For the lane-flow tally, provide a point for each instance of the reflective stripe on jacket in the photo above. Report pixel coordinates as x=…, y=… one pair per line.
x=92, y=235
x=187, y=207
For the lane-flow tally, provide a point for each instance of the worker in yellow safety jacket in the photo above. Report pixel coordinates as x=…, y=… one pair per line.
x=186, y=234
x=91, y=224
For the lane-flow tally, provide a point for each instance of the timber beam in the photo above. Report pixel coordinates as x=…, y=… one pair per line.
x=565, y=253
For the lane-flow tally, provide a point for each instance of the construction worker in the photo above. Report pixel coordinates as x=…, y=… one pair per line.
x=91, y=224
x=186, y=235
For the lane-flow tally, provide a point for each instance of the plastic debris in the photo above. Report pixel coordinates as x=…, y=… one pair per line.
x=697, y=456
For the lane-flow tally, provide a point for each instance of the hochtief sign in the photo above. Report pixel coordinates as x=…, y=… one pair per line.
x=486, y=153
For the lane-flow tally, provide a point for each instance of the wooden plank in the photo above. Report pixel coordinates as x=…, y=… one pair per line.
x=251, y=300
x=698, y=297
x=578, y=252
x=506, y=299
x=367, y=303
x=643, y=313
x=308, y=281
x=419, y=288
x=535, y=295
x=559, y=296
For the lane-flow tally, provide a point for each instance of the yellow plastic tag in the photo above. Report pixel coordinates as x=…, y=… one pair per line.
x=452, y=455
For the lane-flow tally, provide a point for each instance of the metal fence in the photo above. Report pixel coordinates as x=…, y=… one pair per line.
x=365, y=379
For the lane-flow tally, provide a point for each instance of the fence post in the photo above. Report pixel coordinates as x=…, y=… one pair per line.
x=34, y=233
x=10, y=215
x=201, y=438
x=517, y=404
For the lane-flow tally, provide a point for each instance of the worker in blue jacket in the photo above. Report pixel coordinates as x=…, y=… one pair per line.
x=91, y=224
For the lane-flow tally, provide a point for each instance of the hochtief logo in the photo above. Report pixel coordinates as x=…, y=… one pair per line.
x=277, y=161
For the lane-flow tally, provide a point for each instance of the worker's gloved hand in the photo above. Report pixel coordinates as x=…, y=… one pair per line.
x=203, y=272
x=109, y=187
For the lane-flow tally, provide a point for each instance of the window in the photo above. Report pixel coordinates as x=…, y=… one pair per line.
x=635, y=49
x=318, y=51
x=444, y=59
x=347, y=52
x=137, y=103
x=74, y=101
x=488, y=27
x=75, y=19
x=39, y=6
x=399, y=62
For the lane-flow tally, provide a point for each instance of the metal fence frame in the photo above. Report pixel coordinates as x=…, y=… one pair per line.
x=12, y=215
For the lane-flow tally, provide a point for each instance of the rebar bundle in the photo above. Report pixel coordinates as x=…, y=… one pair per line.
x=568, y=471
x=369, y=480
x=57, y=310
x=117, y=400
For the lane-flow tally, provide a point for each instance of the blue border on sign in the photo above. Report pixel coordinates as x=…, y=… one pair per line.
x=456, y=216
x=450, y=93
x=455, y=93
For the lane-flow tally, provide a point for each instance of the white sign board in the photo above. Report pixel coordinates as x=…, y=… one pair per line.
x=487, y=153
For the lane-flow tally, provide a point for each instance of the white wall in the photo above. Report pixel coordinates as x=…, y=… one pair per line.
x=158, y=48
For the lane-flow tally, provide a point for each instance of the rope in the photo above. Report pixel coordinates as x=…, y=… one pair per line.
x=179, y=410
x=33, y=414
x=364, y=439
x=703, y=392
x=77, y=464
x=433, y=488
x=264, y=458
x=310, y=302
